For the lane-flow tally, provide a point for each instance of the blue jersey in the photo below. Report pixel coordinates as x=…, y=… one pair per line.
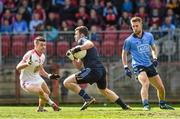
x=140, y=49
x=91, y=60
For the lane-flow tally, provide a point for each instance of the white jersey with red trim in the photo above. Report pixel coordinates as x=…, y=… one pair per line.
x=31, y=72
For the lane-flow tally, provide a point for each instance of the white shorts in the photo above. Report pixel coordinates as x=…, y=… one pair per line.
x=26, y=83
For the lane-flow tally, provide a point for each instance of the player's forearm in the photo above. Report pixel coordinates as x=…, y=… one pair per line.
x=124, y=58
x=154, y=52
x=42, y=72
x=21, y=66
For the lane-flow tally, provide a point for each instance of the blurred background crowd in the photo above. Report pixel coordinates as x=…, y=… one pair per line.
x=22, y=16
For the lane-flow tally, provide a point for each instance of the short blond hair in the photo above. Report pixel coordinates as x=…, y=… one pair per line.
x=136, y=19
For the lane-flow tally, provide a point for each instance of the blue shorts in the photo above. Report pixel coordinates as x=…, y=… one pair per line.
x=150, y=71
x=92, y=75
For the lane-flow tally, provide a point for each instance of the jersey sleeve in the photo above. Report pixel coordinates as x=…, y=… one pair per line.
x=126, y=45
x=26, y=56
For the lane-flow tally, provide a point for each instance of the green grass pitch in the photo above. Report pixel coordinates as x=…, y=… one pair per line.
x=94, y=112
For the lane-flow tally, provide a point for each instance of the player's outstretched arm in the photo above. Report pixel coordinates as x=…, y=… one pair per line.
x=24, y=63
x=42, y=72
x=21, y=65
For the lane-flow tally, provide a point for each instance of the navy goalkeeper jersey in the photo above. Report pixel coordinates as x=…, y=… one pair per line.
x=91, y=59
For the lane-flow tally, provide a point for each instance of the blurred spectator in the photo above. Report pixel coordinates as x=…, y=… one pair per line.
x=39, y=10
x=109, y=5
x=39, y=30
x=110, y=18
x=81, y=14
x=67, y=9
x=52, y=19
x=141, y=3
x=64, y=26
x=35, y=22
x=174, y=19
x=25, y=10
x=80, y=22
x=51, y=33
x=124, y=21
x=172, y=4
x=97, y=6
x=10, y=4
x=6, y=27
x=59, y=3
x=168, y=26
x=127, y=6
x=159, y=5
x=141, y=13
x=8, y=16
x=94, y=19
x=94, y=35
x=20, y=25
x=1, y=6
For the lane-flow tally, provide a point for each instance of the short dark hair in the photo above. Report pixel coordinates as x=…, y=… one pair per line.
x=136, y=19
x=83, y=30
x=39, y=38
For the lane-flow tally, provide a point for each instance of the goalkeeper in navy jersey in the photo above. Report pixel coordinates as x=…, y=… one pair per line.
x=91, y=71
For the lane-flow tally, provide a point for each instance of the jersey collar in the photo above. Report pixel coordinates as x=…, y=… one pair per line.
x=37, y=53
x=135, y=36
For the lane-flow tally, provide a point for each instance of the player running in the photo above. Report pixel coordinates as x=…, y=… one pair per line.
x=31, y=69
x=142, y=47
x=92, y=72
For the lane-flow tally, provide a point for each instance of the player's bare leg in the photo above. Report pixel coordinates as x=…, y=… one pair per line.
x=113, y=97
x=143, y=79
x=36, y=89
x=71, y=83
x=157, y=83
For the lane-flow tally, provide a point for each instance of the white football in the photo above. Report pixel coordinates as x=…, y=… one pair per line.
x=81, y=54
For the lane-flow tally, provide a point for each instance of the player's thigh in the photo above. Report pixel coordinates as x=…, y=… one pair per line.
x=70, y=79
x=156, y=81
x=86, y=75
x=33, y=88
x=143, y=78
x=45, y=88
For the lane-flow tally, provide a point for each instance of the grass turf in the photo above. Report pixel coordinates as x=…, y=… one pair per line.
x=93, y=112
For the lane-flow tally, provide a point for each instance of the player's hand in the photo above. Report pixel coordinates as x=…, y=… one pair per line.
x=54, y=76
x=75, y=49
x=128, y=72
x=155, y=62
x=70, y=55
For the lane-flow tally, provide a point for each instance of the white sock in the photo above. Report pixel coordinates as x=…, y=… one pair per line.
x=50, y=102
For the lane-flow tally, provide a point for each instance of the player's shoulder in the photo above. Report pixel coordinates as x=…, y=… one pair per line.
x=148, y=33
x=130, y=37
x=30, y=52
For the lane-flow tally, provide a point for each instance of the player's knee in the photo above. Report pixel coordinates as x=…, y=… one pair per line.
x=145, y=83
x=104, y=91
x=66, y=83
x=41, y=92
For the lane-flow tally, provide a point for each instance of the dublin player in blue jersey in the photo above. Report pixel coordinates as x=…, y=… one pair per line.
x=92, y=71
x=143, y=51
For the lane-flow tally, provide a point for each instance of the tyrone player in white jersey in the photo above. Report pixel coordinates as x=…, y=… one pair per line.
x=31, y=69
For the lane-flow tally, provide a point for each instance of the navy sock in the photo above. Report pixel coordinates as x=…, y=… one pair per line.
x=121, y=103
x=84, y=95
x=162, y=102
x=145, y=102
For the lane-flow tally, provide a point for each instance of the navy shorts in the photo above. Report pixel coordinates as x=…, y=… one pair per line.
x=92, y=75
x=150, y=71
